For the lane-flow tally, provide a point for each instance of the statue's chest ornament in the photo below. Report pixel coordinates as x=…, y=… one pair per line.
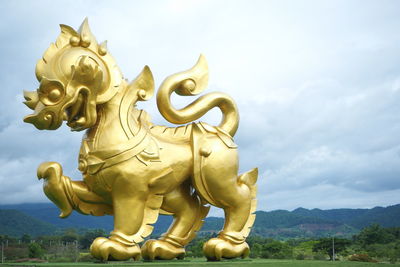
x=142, y=146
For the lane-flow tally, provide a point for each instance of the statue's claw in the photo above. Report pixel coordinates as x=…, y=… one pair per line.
x=105, y=249
x=217, y=248
x=54, y=186
x=161, y=250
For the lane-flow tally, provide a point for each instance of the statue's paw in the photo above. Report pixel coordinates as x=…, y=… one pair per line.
x=217, y=248
x=53, y=186
x=161, y=250
x=105, y=249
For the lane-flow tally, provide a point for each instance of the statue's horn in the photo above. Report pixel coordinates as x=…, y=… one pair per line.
x=31, y=98
x=87, y=38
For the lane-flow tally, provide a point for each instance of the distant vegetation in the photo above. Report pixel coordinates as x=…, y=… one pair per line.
x=15, y=223
x=39, y=219
x=35, y=231
x=374, y=243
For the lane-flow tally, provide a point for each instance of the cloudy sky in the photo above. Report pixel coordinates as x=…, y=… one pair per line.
x=317, y=84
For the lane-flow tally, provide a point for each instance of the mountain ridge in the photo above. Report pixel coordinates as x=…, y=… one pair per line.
x=278, y=224
x=13, y=221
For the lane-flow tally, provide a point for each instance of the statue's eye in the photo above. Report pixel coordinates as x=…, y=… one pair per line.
x=54, y=95
x=50, y=92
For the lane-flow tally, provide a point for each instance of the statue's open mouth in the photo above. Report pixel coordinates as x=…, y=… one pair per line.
x=75, y=114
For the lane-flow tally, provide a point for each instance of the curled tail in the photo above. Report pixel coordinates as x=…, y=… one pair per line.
x=189, y=83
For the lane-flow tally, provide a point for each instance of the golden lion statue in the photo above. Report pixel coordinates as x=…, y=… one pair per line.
x=135, y=170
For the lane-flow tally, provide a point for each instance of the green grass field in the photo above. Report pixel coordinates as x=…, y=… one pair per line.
x=202, y=262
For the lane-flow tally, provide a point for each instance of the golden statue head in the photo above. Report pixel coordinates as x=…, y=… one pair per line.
x=75, y=74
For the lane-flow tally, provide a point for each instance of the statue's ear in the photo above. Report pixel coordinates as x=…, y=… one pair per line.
x=143, y=84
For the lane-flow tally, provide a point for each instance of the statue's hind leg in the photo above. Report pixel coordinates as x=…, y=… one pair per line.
x=238, y=201
x=188, y=215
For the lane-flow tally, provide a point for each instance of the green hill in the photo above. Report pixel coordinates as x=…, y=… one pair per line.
x=386, y=217
x=48, y=212
x=16, y=223
x=282, y=224
x=278, y=224
x=358, y=218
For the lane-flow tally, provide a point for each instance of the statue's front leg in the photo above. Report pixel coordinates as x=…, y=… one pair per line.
x=129, y=204
x=69, y=195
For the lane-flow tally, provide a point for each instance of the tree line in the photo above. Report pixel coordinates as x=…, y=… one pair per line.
x=373, y=243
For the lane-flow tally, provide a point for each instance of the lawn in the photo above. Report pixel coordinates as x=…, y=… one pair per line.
x=202, y=262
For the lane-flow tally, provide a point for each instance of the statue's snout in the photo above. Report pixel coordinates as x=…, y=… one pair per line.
x=39, y=120
x=43, y=117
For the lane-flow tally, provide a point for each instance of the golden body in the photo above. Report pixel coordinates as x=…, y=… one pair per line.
x=133, y=169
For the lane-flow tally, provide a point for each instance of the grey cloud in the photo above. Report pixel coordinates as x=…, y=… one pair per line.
x=317, y=85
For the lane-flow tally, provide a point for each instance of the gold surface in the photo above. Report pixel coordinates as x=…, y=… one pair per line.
x=135, y=170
